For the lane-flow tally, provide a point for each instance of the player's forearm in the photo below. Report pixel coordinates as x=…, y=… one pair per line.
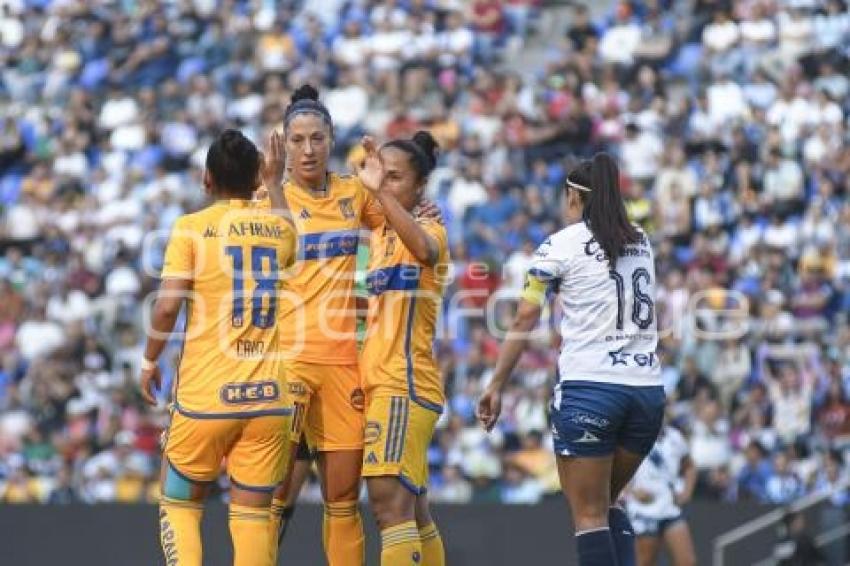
x=515, y=343
x=164, y=317
x=422, y=246
x=690, y=476
x=279, y=204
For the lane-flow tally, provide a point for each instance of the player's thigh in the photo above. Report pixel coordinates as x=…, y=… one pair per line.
x=585, y=483
x=335, y=417
x=677, y=538
x=398, y=432
x=586, y=418
x=339, y=474
x=260, y=456
x=194, y=448
x=625, y=466
x=646, y=549
x=391, y=501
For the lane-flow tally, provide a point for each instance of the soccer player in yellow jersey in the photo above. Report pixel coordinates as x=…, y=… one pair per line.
x=229, y=402
x=404, y=389
x=318, y=322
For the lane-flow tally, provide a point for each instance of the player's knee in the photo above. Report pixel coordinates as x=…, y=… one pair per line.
x=423, y=512
x=389, y=509
x=590, y=517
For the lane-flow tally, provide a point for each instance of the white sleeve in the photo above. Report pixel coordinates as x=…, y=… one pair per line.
x=551, y=260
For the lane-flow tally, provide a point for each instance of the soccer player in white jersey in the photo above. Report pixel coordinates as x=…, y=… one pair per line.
x=663, y=483
x=608, y=403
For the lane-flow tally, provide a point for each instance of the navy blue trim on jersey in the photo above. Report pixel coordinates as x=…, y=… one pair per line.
x=282, y=412
x=411, y=386
x=400, y=277
x=324, y=245
x=410, y=486
x=593, y=419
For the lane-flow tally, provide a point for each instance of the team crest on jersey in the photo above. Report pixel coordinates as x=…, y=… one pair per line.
x=358, y=400
x=250, y=392
x=346, y=207
x=373, y=432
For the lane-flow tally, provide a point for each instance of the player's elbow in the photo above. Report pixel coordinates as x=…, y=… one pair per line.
x=426, y=253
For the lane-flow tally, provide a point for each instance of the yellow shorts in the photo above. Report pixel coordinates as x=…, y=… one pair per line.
x=256, y=449
x=397, y=436
x=328, y=403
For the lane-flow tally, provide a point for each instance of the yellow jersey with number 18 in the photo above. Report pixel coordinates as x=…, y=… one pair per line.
x=233, y=252
x=404, y=301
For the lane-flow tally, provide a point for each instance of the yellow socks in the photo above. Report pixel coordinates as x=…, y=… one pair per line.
x=252, y=539
x=342, y=533
x=400, y=545
x=433, y=553
x=276, y=523
x=180, y=531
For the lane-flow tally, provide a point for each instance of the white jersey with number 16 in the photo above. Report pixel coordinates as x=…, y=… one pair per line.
x=608, y=328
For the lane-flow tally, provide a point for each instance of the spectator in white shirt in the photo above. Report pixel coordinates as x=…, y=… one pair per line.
x=619, y=42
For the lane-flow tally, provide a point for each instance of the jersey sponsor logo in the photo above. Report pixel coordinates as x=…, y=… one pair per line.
x=372, y=433
x=593, y=249
x=250, y=392
x=619, y=357
x=323, y=245
x=358, y=400
x=346, y=207
x=211, y=232
x=588, y=438
x=588, y=419
x=401, y=277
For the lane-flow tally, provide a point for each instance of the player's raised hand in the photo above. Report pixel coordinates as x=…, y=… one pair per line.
x=273, y=166
x=151, y=383
x=489, y=408
x=371, y=172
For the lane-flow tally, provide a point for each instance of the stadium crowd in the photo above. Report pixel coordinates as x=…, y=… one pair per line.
x=730, y=120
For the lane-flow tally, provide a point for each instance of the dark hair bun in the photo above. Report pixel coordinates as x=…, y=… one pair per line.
x=305, y=92
x=428, y=145
x=234, y=143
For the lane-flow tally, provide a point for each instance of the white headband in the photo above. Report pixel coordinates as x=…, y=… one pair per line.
x=577, y=186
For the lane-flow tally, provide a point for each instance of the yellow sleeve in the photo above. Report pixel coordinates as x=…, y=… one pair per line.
x=438, y=231
x=179, y=262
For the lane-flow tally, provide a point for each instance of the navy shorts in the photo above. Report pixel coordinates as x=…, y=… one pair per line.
x=646, y=527
x=594, y=419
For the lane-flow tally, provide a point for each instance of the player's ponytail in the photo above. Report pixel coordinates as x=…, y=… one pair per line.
x=598, y=183
x=233, y=161
x=423, y=150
